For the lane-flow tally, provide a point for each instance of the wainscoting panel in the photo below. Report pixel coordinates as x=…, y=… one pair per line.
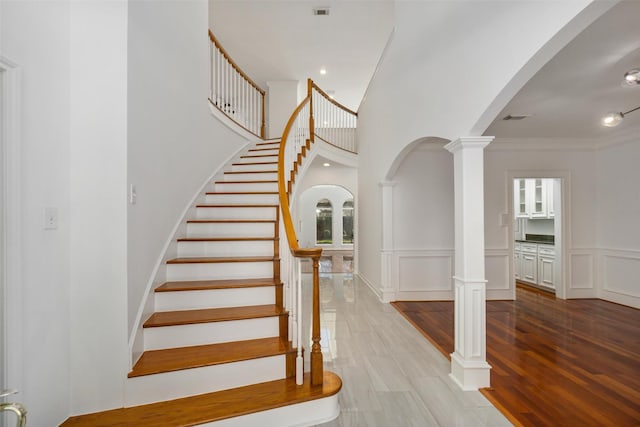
x=620, y=272
x=424, y=274
x=500, y=281
x=581, y=271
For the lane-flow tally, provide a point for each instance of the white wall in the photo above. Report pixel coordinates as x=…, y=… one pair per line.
x=98, y=167
x=539, y=226
x=282, y=98
x=423, y=224
x=174, y=143
x=36, y=36
x=618, y=211
x=306, y=214
x=422, y=86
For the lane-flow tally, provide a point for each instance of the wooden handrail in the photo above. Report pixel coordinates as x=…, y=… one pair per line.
x=234, y=93
x=331, y=100
x=234, y=65
x=286, y=177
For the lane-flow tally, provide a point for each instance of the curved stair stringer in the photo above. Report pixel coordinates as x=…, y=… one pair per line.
x=157, y=277
x=217, y=324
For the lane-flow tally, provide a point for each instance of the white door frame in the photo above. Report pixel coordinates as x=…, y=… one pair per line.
x=563, y=212
x=10, y=202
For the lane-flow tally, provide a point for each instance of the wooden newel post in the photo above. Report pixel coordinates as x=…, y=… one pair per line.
x=311, y=122
x=316, y=350
x=262, y=127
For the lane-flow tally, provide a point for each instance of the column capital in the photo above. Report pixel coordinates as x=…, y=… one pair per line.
x=387, y=183
x=469, y=142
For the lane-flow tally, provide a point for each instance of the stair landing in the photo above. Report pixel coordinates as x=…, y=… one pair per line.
x=211, y=407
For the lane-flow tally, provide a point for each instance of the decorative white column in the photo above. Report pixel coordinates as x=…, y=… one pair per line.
x=469, y=367
x=388, y=291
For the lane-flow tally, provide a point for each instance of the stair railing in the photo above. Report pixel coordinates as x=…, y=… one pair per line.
x=297, y=139
x=335, y=124
x=233, y=93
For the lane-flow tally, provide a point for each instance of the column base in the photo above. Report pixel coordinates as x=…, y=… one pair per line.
x=469, y=375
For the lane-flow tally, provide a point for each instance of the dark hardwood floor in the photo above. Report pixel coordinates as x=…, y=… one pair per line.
x=554, y=362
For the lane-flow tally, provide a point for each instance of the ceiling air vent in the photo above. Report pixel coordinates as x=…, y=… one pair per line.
x=321, y=11
x=516, y=116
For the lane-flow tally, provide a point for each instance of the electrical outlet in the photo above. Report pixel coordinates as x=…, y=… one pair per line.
x=50, y=218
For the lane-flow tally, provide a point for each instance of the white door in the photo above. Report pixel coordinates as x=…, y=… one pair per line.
x=10, y=291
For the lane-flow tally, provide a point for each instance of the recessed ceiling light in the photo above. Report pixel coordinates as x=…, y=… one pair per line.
x=326, y=165
x=632, y=77
x=323, y=71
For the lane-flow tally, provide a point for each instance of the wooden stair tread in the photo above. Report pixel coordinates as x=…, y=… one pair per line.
x=248, y=182
x=277, y=141
x=239, y=205
x=203, y=285
x=243, y=172
x=240, y=192
x=215, y=260
x=225, y=239
x=253, y=156
x=209, y=315
x=221, y=221
x=176, y=359
x=262, y=149
x=212, y=407
x=254, y=163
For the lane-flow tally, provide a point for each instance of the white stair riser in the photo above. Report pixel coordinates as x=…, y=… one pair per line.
x=240, y=167
x=209, y=333
x=214, y=271
x=239, y=199
x=225, y=248
x=261, y=158
x=236, y=213
x=315, y=412
x=224, y=229
x=269, y=176
x=214, y=298
x=249, y=186
x=264, y=150
x=207, y=379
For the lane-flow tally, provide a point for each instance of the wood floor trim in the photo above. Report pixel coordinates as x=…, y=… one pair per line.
x=210, y=407
x=200, y=285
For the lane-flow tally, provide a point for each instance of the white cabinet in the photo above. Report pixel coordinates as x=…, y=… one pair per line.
x=546, y=266
x=520, y=198
x=529, y=262
x=517, y=261
x=535, y=263
x=531, y=198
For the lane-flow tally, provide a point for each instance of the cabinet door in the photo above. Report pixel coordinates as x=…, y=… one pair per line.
x=520, y=198
x=549, y=185
x=545, y=272
x=529, y=266
x=516, y=264
x=538, y=198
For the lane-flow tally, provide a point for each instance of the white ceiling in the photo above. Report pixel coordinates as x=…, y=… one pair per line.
x=571, y=93
x=283, y=40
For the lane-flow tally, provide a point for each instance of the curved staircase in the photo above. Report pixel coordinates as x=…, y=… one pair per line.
x=217, y=350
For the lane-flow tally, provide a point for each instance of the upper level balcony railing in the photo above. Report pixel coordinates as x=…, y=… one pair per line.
x=233, y=92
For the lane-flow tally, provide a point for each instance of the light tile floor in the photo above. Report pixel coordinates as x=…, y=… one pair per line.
x=392, y=376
